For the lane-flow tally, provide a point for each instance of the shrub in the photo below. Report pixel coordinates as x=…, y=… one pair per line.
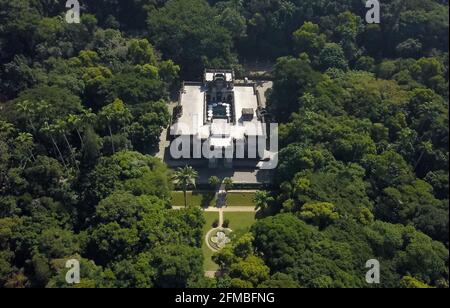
x=226, y=223
x=215, y=223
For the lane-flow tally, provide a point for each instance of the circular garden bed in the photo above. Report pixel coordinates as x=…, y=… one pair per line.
x=219, y=238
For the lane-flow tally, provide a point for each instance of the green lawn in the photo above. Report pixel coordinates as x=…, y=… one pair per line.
x=240, y=199
x=240, y=222
x=207, y=198
x=208, y=264
x=196, y=198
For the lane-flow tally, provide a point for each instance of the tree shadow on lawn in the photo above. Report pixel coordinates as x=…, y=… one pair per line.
x=270, y=211
x=207, y=198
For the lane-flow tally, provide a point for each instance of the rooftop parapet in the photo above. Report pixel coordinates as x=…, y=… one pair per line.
x=219, y=74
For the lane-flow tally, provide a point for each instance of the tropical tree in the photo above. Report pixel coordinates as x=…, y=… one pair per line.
x=262, y=200
x=75, y=122
x=185, y=178
x=320, y=214
x=332, y=56
x=228, y=183
x=24, y=147
x=214, y=181
x=51, y=131
x=25, y=108
x=309, y=39
x=115, y=116
x=62, y=127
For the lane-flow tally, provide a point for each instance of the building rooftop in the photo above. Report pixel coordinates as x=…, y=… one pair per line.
x=218, y=108
x=220, y=128
x=191, y=119
x=211, y=75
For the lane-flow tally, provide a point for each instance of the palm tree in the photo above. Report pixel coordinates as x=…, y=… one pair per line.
x=25, y=108
x=62, y=128
x=75, y=121
x=115, y=116
x=106, y=115
x=262, y=200
x=51, y=130
x=88, y=117
x=214, y=181
x=108, y=121
x=185, y=177
x=425, y=147
x=228, y=183
x=25, y=142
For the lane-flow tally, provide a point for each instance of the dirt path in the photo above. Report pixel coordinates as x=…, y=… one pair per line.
x=224, y=210
x=220, y=217
x=208, y=234
x=240, y=209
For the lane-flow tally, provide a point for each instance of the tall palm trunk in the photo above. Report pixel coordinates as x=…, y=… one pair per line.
x=32, y=156
x=72, y=155
x=32, y=126
x=59, y=152
x=112, y=141
x=416, y=165
x=81, y=138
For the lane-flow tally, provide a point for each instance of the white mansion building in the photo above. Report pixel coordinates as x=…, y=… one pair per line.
x=219, y=120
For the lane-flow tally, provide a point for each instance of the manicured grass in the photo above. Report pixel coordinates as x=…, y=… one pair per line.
x=210, y=217
x=196, y=198
x=240, y=222
x=207, y=198
x=240, y=199
x=208, y=264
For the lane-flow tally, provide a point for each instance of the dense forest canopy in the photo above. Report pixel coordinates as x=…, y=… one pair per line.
x=363, y=114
